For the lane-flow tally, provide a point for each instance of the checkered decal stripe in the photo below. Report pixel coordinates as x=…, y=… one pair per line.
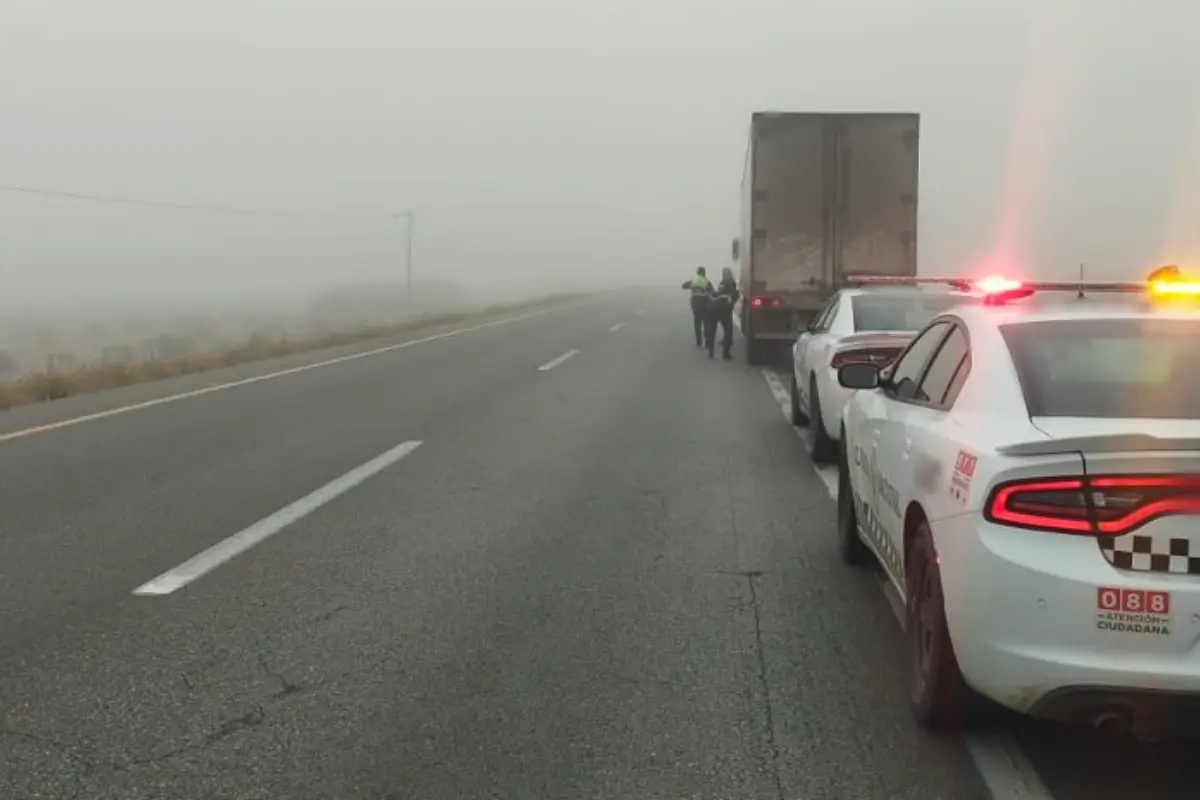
x=1150, y=554
x=871, y=528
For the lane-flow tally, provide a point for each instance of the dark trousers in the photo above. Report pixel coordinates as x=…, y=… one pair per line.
x=700, y=309
x=724, y=315
x=721, y=314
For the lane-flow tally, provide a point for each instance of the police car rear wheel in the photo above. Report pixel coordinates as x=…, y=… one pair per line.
x=824, y=449
x=850, y=546
x=937, y=692
x=799, y=418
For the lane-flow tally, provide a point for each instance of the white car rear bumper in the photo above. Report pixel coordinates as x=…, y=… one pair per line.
x=1037, y=619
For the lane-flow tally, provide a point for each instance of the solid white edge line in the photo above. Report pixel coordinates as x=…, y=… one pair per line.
x=554, y=362
x=617, y=327
x=1006, y=771
x=219, y=387
x=208, y=560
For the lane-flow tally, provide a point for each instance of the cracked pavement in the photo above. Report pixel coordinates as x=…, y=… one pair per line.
x=613, y=579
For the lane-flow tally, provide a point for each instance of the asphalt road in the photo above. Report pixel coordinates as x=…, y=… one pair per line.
x=475, y=564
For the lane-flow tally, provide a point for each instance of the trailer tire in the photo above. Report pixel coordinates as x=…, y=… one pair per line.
x=753, y=351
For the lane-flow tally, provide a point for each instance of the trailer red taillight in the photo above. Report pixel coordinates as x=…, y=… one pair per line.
x=1106, y=505
x=879, y=356
x=761, y=302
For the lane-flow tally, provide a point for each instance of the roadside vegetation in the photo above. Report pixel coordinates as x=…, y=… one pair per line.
x=38, y=387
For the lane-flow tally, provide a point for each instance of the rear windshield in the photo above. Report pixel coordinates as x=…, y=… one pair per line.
x=1139, y=368
x=908, y=312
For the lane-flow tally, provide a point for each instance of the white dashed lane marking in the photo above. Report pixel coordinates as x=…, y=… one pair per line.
x=208, y=560
x=554, y=362
x=1005, y=769
x=618, y=326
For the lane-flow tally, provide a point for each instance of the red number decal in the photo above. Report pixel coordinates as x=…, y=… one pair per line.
x=965, y=464
x=1133, y=601
x=1108, y=599
x=1158, y=602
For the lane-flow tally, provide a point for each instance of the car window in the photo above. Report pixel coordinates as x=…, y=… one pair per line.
x=902, y=312
x=833, y=313
x=906, y=374
x=943, y=368
x=823, y=318
x=960, y=377
x=1134, y=367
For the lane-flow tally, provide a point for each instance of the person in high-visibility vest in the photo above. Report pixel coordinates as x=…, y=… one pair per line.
x=702, y=294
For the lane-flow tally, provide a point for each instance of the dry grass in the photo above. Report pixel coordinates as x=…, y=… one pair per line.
x=42, y=386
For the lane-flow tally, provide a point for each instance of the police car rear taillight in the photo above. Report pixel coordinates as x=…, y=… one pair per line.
x=879, y=356
x=1105, y=505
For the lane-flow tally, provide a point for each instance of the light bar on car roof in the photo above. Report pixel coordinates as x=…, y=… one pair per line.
x=989, y=285
x=994, y=288
x=1164, y=283
x=1126, y=287
x=893, y=280
x=995, y=284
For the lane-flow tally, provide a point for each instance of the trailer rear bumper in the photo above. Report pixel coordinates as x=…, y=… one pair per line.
x=776, y=323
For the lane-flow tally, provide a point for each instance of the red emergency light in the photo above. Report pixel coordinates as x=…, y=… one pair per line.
x=996, y=289
x=994, y=284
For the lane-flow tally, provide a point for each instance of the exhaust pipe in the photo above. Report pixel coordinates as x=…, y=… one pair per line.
x=1113, y=722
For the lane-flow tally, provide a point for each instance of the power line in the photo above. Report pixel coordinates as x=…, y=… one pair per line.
x=166, y=204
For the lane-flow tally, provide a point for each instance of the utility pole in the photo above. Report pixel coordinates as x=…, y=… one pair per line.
x=408, y=217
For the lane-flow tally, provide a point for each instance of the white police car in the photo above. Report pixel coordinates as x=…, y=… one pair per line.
x=861, y=323
x=1027, y=475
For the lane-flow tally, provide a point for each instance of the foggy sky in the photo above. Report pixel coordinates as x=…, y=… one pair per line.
x=559, y=143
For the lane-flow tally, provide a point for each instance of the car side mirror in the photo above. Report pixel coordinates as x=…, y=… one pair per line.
x=859, y=376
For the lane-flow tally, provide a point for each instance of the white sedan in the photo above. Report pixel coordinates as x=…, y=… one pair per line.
x=857, y=324
x=1028, y=477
